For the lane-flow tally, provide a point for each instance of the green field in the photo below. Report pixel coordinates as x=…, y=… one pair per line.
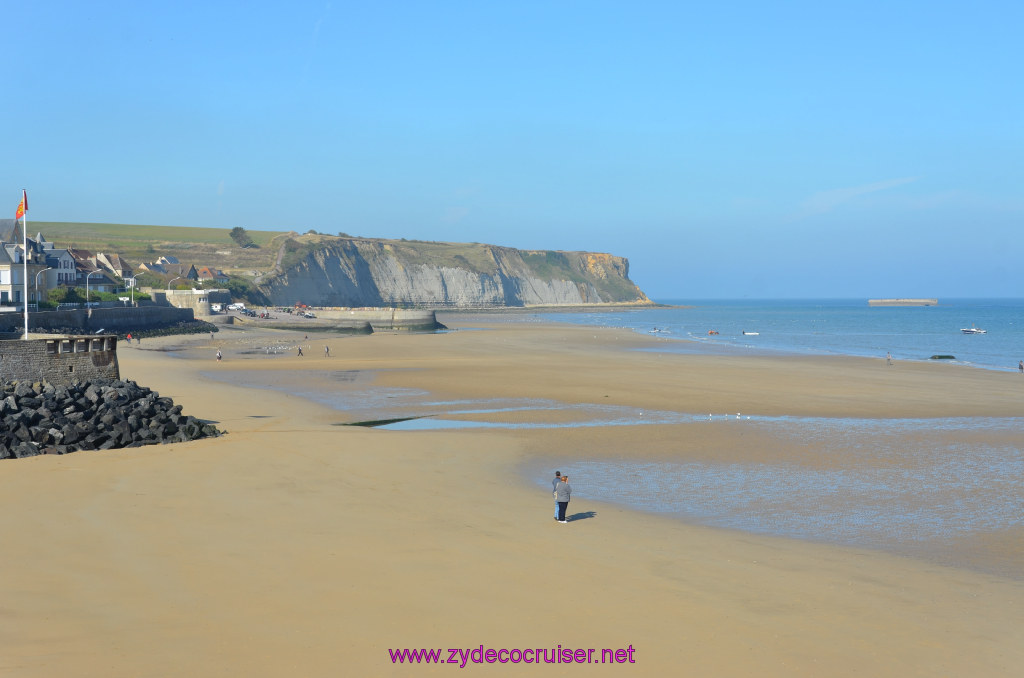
x=139, y=243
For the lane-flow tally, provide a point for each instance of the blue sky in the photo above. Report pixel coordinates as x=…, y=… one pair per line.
x=734, y=149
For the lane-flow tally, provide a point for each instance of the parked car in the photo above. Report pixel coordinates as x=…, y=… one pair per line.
x=309, y=314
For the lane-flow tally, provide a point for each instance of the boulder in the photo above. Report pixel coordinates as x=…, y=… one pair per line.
x=42, y=418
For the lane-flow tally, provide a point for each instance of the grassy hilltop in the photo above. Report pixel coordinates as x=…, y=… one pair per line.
x=138, y=243
x=214, y=246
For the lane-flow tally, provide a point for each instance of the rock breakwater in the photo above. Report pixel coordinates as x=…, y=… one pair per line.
x=43, y=418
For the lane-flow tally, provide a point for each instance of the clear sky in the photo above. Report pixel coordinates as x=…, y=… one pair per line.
x=727, y=149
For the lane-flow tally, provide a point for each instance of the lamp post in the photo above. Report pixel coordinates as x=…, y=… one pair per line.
x=91, y=273
x=133, y=287
x=48, y=268
x=172, y=280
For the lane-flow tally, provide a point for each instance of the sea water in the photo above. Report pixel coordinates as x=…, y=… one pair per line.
x=916, y=486
x=829, y=327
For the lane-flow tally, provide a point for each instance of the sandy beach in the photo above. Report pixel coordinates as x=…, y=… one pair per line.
x=296, y=546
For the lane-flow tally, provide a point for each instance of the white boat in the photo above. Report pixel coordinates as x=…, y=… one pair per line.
x=973, y=330
x=752, y=334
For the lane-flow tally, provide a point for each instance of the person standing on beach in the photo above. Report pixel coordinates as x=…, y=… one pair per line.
x=327, y=351
x=562, y=493
x=554, y=489
x=219, y=356
x=1020, y=367
x=888, y=359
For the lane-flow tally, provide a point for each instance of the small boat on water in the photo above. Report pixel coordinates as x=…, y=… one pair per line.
x=751, y=334
x=973, y=330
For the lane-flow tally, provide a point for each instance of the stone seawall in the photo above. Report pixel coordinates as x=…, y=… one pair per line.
x=383, y=318
x=90, y=321
x=59, y=359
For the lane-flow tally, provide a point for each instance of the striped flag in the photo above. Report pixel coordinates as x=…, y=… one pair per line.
x=22, y=206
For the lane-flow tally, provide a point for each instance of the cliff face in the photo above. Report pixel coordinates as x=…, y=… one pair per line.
x=368, y=272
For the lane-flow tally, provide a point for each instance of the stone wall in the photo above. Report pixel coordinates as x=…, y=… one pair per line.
x=383, y=318
x=197, y=300
x=118, y=319
x=60, y=359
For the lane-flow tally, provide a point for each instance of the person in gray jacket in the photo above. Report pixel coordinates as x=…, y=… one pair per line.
x=562, y=493
x=554, y=488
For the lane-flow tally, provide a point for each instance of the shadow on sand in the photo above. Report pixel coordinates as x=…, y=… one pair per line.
x=580, y=516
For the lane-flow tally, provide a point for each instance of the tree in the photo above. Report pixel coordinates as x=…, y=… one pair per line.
x=240, y=236
x=65, y=295
x=147, y=279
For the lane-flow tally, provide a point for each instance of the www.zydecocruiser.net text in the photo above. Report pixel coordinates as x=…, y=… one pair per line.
x=462, y=657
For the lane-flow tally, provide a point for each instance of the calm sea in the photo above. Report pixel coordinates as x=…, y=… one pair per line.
x=924, y=488
x=831, y=326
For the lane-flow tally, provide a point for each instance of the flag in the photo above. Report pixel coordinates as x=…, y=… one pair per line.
x=22, y=206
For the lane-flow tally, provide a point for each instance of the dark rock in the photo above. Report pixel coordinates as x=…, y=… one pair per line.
x=10, y=404
x=41, y=418
x=26, y=449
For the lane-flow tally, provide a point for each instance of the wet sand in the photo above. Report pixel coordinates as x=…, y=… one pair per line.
x=293, y=546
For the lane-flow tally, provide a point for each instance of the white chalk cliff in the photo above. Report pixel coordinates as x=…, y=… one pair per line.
x=343, y=271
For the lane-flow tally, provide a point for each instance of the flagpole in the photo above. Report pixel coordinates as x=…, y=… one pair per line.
x=24, y=243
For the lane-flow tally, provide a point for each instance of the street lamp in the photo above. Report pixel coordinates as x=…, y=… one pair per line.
x=87, y=283
x=172, y=280
x=133, y=287
x=48, y=268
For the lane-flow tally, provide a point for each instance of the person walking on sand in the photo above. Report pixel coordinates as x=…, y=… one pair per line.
x=327, y=351
x=554, y=489
x=562, y=493
x=1020, y=367
x=300, y=351
x=219, y=355
x=888, y=359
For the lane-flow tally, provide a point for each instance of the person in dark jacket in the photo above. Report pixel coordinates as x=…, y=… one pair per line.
x=562, y=493
x=554, y=488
